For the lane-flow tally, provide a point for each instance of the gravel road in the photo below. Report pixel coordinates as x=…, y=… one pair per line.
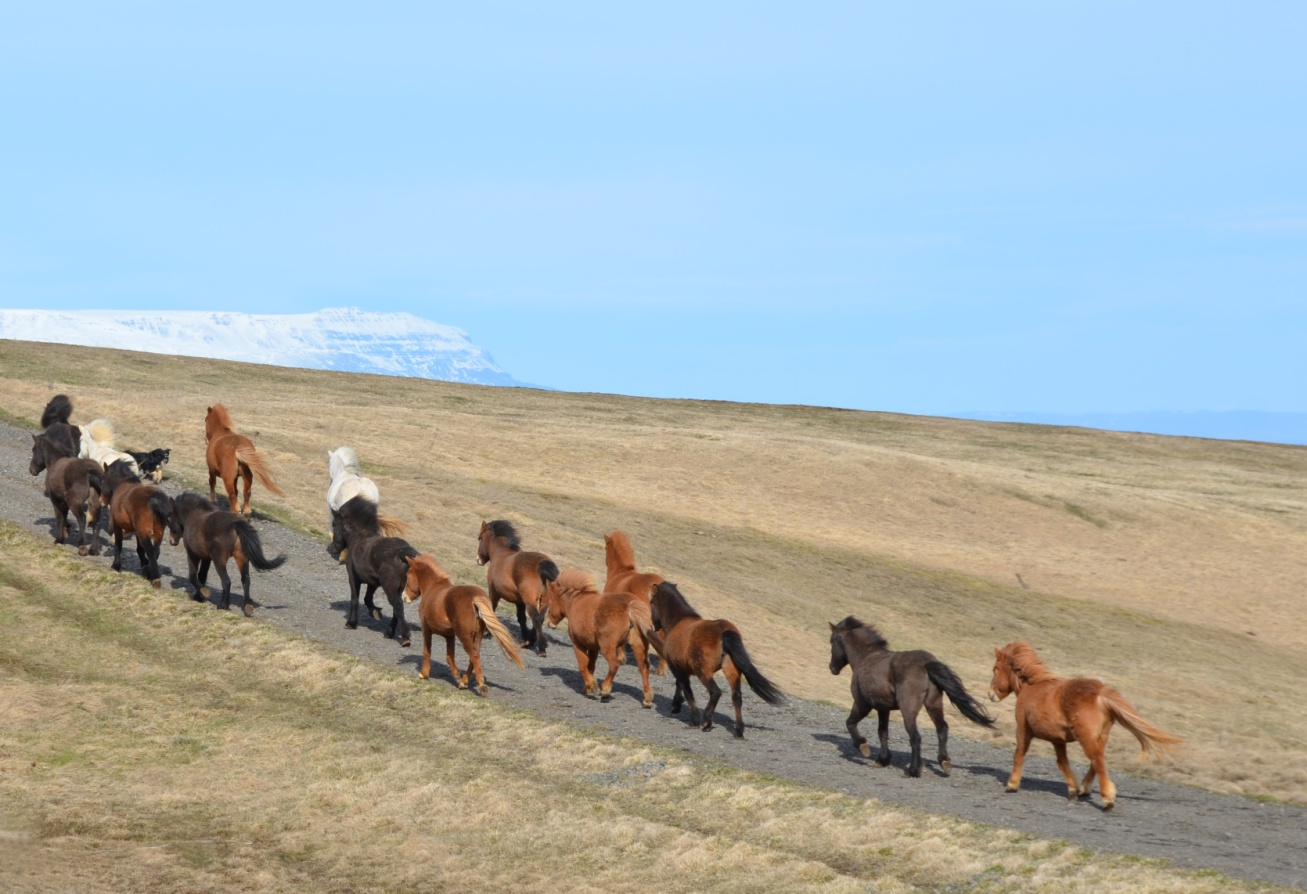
x=802, y=741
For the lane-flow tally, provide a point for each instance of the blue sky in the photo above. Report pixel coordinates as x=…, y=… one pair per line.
x=924, y=208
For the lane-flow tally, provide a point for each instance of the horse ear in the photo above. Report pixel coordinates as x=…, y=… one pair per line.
x=832, y=627
x=998, y=653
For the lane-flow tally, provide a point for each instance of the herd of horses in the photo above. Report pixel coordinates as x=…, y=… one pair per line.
x=635, y=610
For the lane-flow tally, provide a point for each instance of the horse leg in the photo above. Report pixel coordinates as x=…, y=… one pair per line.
x=154, y=562
x=117, y=534
x=399, y=622
x=1096, y=750
x=425, y=672
x=1019, y=756
x=472, y=646
x=225, y=578
x=737, y=699
x=528, y=639
x=247, y=604
x=859, y=711
x=914, y=739
x=883, y=756
x=538, y=630
x=585, y=669
x=677, y=696
x=714, y=693
x=683, y=690
x=371, y=605
x=641, y=651
x=213, y=485
x=192, y=574
x=202, y=577
x=60, y=518
x=247, y=475
x=935, y=708
x=459, y=676
x=352, y=615
x=615, y=655
x=1072, y=788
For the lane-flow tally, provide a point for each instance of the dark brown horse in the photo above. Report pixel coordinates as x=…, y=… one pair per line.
x=521, y=578
x=230, y=455
x=138, y=509
x=603, y=623
x=372, y=559
x=693, y=645
x=70, y=483
x=212, y=536
x=1061, y=710
x=885, y=680
x=449, y=611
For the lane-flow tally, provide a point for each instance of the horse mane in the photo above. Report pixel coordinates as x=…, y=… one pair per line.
x=348, y=459
x=428, y=563
x=575, y=580
x=503, y=528
x=1026, y=664
x=677, y=603
x=196, y=501
x=621, y=554
x=58, y=409
x=218, y=413
x=863, y=632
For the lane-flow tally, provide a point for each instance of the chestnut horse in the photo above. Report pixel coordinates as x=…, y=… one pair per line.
x=212, y=536
x=138, y=509
x=622, y=577
x=449, y=611
x=230, y=456
x=693, y=645
x=69, y=483
x=1061, y=710
x=886, y=681
x=603, y=623
x=521, y=578
x=372, y=559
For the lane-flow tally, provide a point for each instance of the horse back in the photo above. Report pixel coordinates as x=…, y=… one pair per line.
x=638, y=583
x=1052, y=708
x=379, y=561
x=73, y=477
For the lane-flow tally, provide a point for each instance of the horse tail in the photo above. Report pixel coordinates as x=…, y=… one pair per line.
x=942, y=676
x=95, y=477
x=765, y=689
x=161, y=505
x=101, y=432
x=253, y=548
x=1152, y=740
x=548, y=571
x=495, y=627
x=642, y=619
x=259, y=466
x=58, y=409
x=391, y=527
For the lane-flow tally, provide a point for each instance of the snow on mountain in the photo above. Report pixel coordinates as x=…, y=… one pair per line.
x=345, y=339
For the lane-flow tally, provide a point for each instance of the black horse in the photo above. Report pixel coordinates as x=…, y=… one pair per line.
x=905, y=681
x=212, y=536
x=69, y=483
x=54, y=422
x=372, y=559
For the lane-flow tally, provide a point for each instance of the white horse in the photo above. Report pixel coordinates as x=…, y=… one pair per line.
x=348, y=482
x=97, y=444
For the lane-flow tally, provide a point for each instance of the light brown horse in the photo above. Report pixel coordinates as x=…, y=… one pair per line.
x=449, y=611
x=1061, y=710
x=521, y=578
x=603, y=623
x=138, y=509
x=230, y=456
x=693, y=645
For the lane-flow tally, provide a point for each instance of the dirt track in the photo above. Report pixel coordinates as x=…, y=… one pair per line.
x=803, y=741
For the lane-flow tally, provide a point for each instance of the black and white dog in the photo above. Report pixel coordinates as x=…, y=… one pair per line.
x=152, y=463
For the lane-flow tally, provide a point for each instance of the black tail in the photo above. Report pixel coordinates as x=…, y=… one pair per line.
x=161, y=503
x=253, y=548
x=95, y=477
x=548, y=572
x=765, y=689
x=58, y=409
x=942, y=676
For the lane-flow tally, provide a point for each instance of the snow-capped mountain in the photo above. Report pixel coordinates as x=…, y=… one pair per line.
x=345, y=339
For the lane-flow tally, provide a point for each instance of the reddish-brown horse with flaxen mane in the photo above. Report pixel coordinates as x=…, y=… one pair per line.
x=230, y=456
x=603, y=623
x=516, y=576
x=449, y=611
x=1061, y=710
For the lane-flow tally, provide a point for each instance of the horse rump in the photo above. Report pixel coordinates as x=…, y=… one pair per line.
x=765, y=689
x=948, y=682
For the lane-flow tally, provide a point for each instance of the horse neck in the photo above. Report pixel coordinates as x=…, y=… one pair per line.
x=619, y=560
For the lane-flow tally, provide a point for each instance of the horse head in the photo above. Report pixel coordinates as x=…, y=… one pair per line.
x=424, y=576
x=839, y=659
x=483, y=543
x=39, y=444
x=1005, y=681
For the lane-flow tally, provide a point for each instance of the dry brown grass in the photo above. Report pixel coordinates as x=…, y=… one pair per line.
x=148, y=744
x=1173, y=568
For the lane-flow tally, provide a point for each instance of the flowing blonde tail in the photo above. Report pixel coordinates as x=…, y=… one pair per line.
x=496, y=629
x=391, y=527
x=1153, y=741
x=259, y=466
x=101, y=431
x=642, y=617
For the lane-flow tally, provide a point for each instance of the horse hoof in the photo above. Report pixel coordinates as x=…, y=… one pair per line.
x=157, y=584
x=405, y=643
x=81, y=550
x=483, y=690
x=351, y=625
x=946, y=767
x=864, y=749
x=198, y=598
x=249, y=609
x=1010, y=789
x=882, y=762
x=912, y=774
x=605, y=697
x=376, y=614
x=205, y=592
x=1108, y=805
x=707, y=726
x=738, y=732
x=462, y=684
x=648, y=703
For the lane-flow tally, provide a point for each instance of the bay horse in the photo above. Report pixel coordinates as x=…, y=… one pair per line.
x=138, y=509
x=1061, y=710
x=373, y=559
x=69, y=483
x=885, y=680
x=232, y=456
x=603, y=623
x=449, y=611
x=211, y=537
x=55, y=424
x=521, y=578
x=97, y=443
x=694, y=645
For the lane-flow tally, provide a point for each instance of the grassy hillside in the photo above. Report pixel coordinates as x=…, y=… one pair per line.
x=1173, y=568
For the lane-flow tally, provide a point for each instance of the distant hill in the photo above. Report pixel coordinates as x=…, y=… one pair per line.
x=345, y=339
x=1234, y=425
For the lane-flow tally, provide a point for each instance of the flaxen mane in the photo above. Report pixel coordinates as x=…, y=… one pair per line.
x=623, y=552
x=575, y=580
x=1026, y=664
x=219, y=416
